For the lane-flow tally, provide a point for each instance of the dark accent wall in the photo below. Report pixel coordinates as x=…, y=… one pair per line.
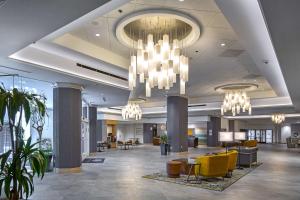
x=295, y=128
x=92, y=115
x=213, y=128
x=148, y=132
x=177, y=123
x=231, y=125
x=67, y=127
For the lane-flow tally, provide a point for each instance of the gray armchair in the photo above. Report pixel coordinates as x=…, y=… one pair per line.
x=248, y=156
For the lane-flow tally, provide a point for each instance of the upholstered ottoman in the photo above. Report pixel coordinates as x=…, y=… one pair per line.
x=173, y=169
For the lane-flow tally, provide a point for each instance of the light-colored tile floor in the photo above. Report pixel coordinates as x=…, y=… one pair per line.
x=119, y=177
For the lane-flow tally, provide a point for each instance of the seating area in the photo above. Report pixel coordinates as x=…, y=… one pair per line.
x=207, y=166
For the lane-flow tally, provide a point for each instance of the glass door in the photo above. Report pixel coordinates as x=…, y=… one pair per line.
x=269, y=136
x=257, y=135
x=251, y=134
x=262, y=136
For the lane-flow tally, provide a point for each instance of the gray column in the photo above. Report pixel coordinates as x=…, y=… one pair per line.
x=67, y=109
x=92, y=116
x=213, y=128
x=99, y=130
x=277, y=133
x=177, y=123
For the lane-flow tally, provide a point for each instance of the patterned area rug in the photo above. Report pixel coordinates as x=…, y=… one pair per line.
x=216, y=184
x=93, y=160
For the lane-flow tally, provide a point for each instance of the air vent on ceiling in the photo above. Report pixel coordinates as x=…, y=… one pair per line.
x=231, y=53
x=252, y=76
x=101, y=72
x=197, y=105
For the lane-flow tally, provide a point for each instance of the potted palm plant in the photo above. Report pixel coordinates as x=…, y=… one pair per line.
x=164, y=146
x=24, y=160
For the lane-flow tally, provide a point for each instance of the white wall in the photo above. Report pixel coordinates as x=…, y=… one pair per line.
x=127, y=131
x=285, y=132
x=224, y=124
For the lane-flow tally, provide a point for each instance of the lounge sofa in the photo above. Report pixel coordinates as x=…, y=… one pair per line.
x=212, y=166
x=156, y=141
x=250, y=143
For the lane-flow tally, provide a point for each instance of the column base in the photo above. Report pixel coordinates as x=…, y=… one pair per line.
x=67, y=170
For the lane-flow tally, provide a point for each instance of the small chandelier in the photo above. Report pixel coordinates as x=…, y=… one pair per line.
x=158, y=64
x=278, y=118
x=132, y=111
x=236, y=101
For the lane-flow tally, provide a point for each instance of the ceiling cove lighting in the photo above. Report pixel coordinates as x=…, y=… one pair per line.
x=278, y=118
x=132, y=111
x=236, y=99
x=158, y=41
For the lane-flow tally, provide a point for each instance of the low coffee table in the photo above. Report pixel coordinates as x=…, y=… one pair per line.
x=192, y=164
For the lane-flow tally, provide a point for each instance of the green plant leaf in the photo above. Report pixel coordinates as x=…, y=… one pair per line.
x=7, y=183
x=27, y=111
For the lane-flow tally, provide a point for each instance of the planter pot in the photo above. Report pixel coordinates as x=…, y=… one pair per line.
x=49, y=159
x=164, y=148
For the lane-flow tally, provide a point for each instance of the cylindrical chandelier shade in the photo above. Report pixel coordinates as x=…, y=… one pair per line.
x=278, y=118
x=158, y=64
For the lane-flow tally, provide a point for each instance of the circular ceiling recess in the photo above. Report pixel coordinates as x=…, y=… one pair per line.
x=236, y=87
x=157, y=22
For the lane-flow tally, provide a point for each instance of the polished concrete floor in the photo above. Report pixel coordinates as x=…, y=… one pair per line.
x=119, y=177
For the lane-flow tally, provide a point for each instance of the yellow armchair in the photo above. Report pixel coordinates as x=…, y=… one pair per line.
x=232, y=159
x=212, y=165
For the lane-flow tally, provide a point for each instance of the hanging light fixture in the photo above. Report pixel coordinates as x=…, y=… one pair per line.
x=236, y=101
x=158, y=64
x=278, y=118
x=132, y=111
x=158, y=41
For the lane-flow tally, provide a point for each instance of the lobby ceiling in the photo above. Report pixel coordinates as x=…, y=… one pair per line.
x=246, y=57
x=211, y=64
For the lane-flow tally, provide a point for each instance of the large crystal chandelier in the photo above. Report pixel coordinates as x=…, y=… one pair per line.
x=236, y=101
x=132, y=111
x=278, y=118
x=158, y=64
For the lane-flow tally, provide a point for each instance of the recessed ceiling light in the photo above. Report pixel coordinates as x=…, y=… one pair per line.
x=97, y=34
x=181, y=0
x=223, y=44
